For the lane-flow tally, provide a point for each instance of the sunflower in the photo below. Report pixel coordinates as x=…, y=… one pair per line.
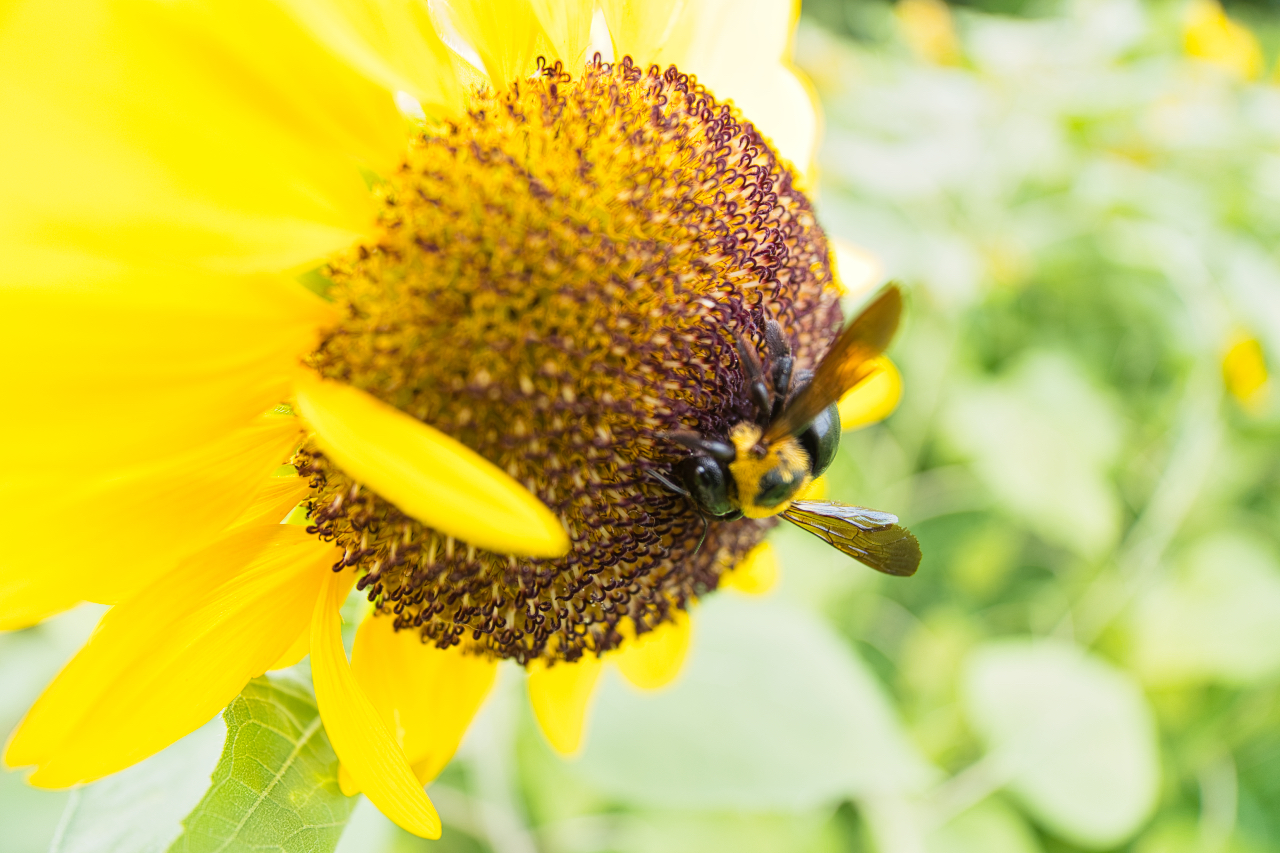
x=424, y=282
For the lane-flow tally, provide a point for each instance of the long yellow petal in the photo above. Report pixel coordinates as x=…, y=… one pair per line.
x=366, y=749
x=218, y=134
x=641, y=28
x=272, y=503
x=874, y=398
x=166, y=661
x=427, y=474
x=125, y=366
x=274, y=500
x=28, y=598
x=392, y=42
x=741, y=51
x=426, y=696
x=654, y=659
x=561, y=697
x=27, y=595
x=506, y=34
x=567, y=24
x=297, y=650
x=757, y=574
x=105, y=537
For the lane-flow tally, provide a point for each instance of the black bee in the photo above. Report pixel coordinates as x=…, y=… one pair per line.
x=757, y=470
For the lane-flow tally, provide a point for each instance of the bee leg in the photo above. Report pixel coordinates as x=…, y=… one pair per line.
x=705, y=525
x=706, y=446
x=780, y=365
x=800, y=380
x=753, y=373
x=684, y=493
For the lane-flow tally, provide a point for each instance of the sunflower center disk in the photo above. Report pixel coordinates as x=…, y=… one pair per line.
x=559, y=279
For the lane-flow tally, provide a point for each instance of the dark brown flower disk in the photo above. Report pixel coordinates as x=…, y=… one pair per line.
x=559, y=281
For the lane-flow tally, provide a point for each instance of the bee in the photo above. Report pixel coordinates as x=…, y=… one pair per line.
x=757, y=470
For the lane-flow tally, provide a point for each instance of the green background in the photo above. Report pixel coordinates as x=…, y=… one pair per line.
x=1084, y=219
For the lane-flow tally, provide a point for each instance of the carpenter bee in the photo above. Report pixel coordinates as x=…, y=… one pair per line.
x=757, y=469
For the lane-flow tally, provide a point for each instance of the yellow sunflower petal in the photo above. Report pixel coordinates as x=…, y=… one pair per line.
x=269, y=506
x=756, y=574
x=567, y=24
x=364, y=746
x=295, y=653
x=854, y=269
x=741, y=51
x=427, y=474
x=654, y=659
x=164, y=662
x=105, y=537
x=874, y=398
x=641, y=28
x=274, y=500
x=224, y=135
x=505, y=33
x=126, y=366
x=426, y=696
x=561, y=697
x=390, y=41
x=27, y=598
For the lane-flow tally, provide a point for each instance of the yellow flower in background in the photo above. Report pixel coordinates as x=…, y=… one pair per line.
x=1208, y=34
x=929, y=30
x=1244, y=372
x=528, y=268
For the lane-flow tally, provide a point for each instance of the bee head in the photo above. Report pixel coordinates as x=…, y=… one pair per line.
x=766, y=481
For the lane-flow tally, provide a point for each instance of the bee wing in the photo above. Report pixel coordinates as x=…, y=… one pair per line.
x=846, y=364
x=871, y=537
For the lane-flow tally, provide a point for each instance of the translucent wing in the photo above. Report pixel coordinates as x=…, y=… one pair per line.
x=846, y=364
x=871, y=537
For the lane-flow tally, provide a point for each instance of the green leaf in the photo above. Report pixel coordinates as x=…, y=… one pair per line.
x=773, y=711
x=1043, y=438
x=1074, y=735
x=698, y=832
x=989, y=827
x=276, y=787
x=139, y=810
x=1217, y=619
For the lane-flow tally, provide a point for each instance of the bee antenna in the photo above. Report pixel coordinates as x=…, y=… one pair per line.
x=706, y=446
x=664, y=481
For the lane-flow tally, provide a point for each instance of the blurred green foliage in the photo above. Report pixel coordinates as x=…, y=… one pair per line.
x=1089, y=659
x=1089, y=218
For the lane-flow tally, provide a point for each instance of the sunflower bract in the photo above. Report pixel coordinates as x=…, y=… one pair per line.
x=559, y=280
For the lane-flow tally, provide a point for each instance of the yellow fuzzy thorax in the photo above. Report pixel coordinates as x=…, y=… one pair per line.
x=757, y=464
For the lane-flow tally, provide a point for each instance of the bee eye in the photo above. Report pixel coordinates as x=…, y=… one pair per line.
x=822, y=439
x=708, y=483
